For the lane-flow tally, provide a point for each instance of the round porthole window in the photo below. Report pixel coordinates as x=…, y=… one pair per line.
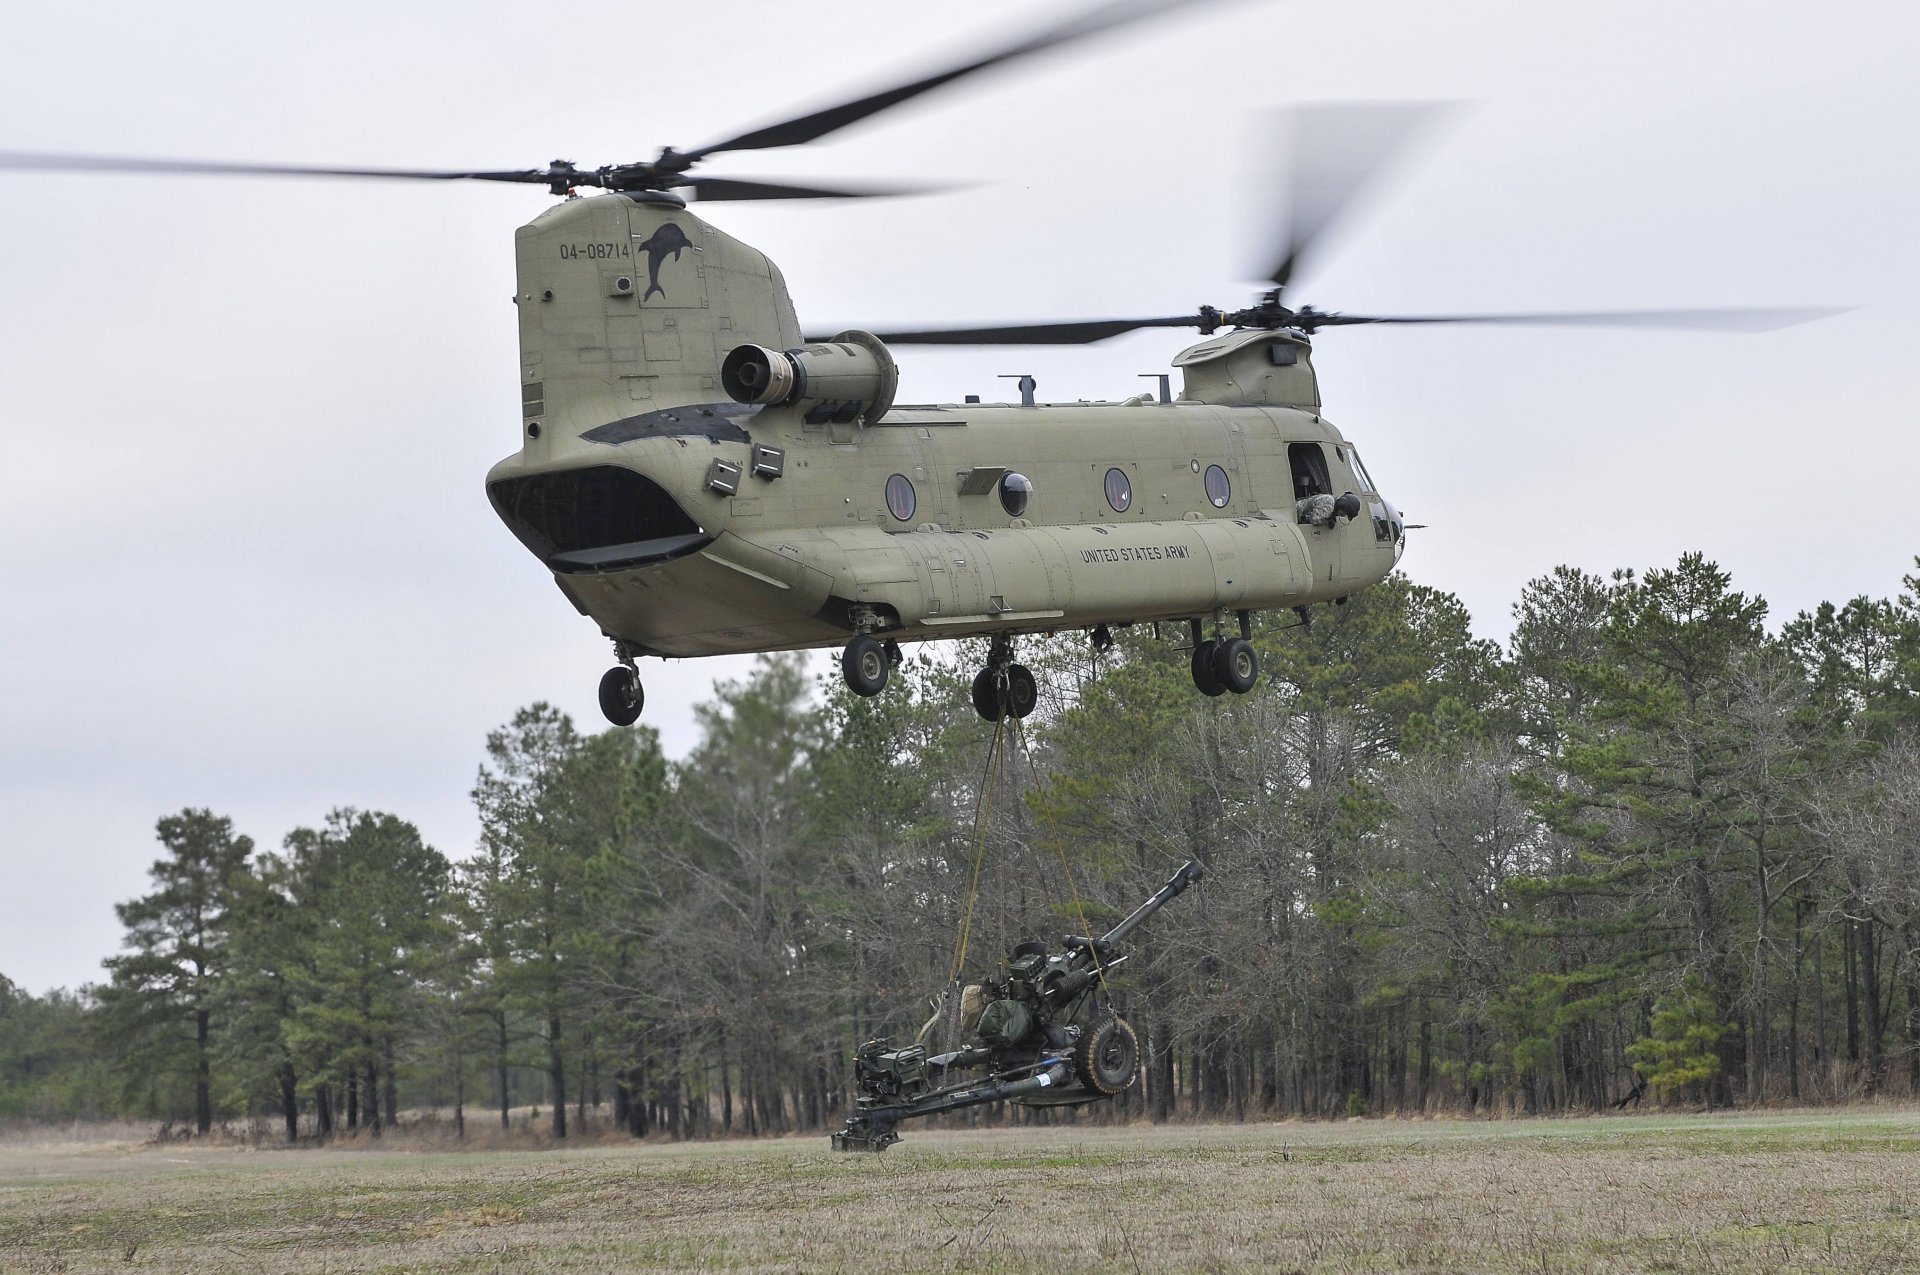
x=1015, y=492
x=900, y=497
x=1219, y=490
x=1119, y=490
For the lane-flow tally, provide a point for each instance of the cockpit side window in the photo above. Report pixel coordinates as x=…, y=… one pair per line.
x=1309, y=470
x=1360, y=472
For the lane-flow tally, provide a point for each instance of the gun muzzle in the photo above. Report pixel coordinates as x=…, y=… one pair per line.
x=1176, y=885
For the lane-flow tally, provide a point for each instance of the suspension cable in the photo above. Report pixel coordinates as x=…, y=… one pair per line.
x=1066, y=867
x=982, y=816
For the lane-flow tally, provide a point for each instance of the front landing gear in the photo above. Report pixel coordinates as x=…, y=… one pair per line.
x=621, y=696
x=1224, y=664
x=1004, y=689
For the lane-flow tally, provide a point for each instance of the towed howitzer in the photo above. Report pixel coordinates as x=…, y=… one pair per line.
x=1036, y=1037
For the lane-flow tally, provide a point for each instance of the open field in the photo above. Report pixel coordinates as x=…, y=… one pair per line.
x=1803, y=1191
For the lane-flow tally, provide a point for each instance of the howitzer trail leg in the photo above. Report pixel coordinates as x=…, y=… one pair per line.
x=876, y=1128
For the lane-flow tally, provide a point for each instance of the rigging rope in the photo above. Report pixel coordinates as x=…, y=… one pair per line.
x=982, y=814
x=993, y=780
x=1066, y=867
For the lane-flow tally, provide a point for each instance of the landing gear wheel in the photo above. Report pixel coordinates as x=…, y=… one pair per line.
x=1205, y=675
x=865, y=666
x=1107, y=1056
x=1022, y=691
x=986, y=696
x=1235, y=666
x=620, y=695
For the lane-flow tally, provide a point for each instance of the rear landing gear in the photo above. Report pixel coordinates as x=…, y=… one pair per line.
x=1022, y=693
x=621, y=696
x=986, y=696
x=1004, y=689
x=865, y=665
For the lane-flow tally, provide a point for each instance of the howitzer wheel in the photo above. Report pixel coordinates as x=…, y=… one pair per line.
x=1107, y=1056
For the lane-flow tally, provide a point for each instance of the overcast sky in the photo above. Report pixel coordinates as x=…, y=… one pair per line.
x=246, y=560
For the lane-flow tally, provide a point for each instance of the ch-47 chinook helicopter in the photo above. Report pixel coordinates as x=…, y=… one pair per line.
x=703, y=478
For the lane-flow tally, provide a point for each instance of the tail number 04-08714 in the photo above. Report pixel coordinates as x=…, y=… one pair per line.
x=575, y=251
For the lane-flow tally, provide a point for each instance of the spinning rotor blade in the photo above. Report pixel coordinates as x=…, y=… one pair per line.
x=560, y=173
x=817, y=124
x=1720, y=320
x=715, y=188
x=31, y=161
x=670, y=169
x=1338, y=150
x=1082, y=332
x=1266, y=315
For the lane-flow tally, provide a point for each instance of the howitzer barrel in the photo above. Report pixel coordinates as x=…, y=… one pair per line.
x=1174, y=887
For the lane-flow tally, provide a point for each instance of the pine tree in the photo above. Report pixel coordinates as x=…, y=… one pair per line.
x=166, y=988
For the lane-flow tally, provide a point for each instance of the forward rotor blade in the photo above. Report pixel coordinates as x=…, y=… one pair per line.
x=714, y=188
x=1079, y=332
x=817, y=124
x=1337, y=151
x=29, y=161
x=1721, y=320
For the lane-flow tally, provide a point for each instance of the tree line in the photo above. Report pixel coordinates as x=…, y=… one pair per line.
x=1650, y=851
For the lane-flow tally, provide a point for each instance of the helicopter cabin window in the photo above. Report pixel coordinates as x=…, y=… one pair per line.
x=1309, y=471
x=900, y=500
x=1119, y=490
x=1015, y=493
x=1219, y=489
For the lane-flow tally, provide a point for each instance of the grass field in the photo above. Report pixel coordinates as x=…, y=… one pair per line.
x=1814, y=1191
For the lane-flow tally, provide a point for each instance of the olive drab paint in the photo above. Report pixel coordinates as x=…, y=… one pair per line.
x=687, y=523
x=701, y=478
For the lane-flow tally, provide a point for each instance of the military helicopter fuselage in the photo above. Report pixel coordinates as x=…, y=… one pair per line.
x=702, y=478
x=686, y=522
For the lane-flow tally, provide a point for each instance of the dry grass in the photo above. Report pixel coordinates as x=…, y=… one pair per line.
x=1816, y=1191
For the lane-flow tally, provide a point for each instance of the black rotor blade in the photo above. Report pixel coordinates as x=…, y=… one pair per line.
x=1072, y=332
x=1338, y=149
x=817, y=124
x=20, y=160
x=1748, y=319
x=712, y=188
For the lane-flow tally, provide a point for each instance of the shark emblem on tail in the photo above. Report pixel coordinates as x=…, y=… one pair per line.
x=668, y=241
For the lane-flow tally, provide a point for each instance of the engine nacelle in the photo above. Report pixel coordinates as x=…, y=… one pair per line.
x=850, y=378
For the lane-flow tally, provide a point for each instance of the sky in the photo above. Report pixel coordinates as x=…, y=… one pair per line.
x=246, y=559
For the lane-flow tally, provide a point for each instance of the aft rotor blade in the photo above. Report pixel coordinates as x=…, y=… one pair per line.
x=817, y=124
x=1721, y=320
x=20, y=160
x=1337, y=151
x=713, y=188
x=1078, y=332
